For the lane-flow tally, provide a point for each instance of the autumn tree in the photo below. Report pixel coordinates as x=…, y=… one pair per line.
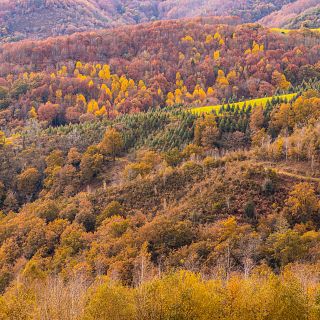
x=47, y=210
x=206, y=131
x=280, y=80
x=28, y=181
x=110, y=301
x=74, y=157
x=112, y=143
x=114, y=208
x=173, y=157
x=257, y=119
x=303, y=203
x=91, y=163
x=2, y=139
x=49, y=112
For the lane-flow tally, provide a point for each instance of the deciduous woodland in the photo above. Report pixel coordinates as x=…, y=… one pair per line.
x=119, y=202
x=38, y=19
x=161, y=64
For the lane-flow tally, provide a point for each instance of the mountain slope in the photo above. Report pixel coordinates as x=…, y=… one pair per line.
x=309, y=18
x=248, y=10
x=21, y=19
x=294, y=14
x=177, y=62
x=47, y=18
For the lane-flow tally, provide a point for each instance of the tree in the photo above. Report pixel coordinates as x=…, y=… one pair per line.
x=173, y=157
x=114, y=208
x=260, y=138
x=33, y=113
x=3, y=93
x=10, y=202
x=19, y=303
x=306, y=108
x=93, y=106
x=91, y=163
x=221, y=79
x=192, y=149
x=257, y=119
x=280, y=80
x=74, y=157
x=110, y=301
x=47, y=210
x=73, y=239
x=49, y=112
x=285, y=246
x=85, y=215
x=133, y=170
x=250, y=209
x=28, y=181
x=302, y=204
x=55, y=159
x=216, y=55
x=209, y=137
x=206, y=132
x=2, y=193
x=282, y=117
x=112, y=143
x=149, y=157
x=2, y=139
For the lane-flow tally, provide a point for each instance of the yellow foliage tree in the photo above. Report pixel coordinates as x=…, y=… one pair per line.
x=280, y=80
x=79, y=65
x=216, y=55
x=210, y=92
x=221, y=79
x=112, y=142
x=93, y=106
x=232, y=76
x=33, y=113
x=2, y=139
x=187, y=39
x=217, y=36
x=101, y=112
x=170, y=99
x=104, y=73
x=209, y=39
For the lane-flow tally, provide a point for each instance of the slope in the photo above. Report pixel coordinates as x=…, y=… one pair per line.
x=309, y=18
x=294, y=15
x=20, y=19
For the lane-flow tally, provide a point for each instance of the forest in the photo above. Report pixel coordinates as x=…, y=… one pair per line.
x=196, y=62
x=40, y=19
x=118, y=201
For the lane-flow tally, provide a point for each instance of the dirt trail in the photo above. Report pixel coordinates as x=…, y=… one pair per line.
x=294, y=175
x=284, y=172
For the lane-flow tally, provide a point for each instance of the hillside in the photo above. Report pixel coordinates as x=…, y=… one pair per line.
x=34, y=19
x=128, y=207
x=309, y=18
x=187, y=63
x=294, y=15
x=20, y=19
x=168, y=170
